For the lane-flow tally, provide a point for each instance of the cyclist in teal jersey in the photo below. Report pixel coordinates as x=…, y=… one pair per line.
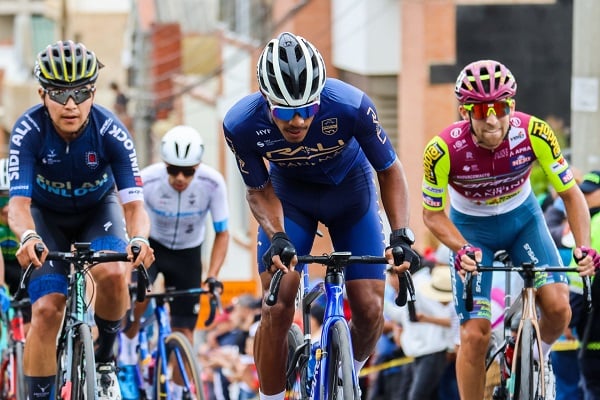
x=482, y=165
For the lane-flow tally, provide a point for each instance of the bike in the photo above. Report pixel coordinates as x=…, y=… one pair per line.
x=12, y=380
x=526, y=381
x=76, y=367
x=325, y=370
x=173, y=358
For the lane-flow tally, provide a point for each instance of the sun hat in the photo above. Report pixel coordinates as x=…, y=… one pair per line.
x=439, y=287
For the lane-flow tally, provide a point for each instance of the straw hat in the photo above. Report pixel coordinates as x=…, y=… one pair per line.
x=439, y=287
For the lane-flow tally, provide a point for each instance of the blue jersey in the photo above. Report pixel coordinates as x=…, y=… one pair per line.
x=74, y=176
x=342, y=134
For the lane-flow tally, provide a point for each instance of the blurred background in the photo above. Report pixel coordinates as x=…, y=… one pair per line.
x=175, y=62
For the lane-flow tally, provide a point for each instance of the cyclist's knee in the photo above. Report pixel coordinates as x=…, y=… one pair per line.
x=47, y=313
x=476, y=333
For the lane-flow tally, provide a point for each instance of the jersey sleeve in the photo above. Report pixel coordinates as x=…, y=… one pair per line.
x=219, y=209
x=250, y=163
x=123, y=163
x=436, y=170
x=548, y=153
x=372, y=137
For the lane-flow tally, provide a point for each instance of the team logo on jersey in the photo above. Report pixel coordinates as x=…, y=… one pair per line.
x=329, y=126
x=50, y=158
x=516, y=136
x=432, y=201
x=91, y=159
x=433, y=153
x=456, y=132
x=544, y=132
x=566, y=176
x=520, y=161
x=516, y=122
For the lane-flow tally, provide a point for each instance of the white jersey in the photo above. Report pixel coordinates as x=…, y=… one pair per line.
x=178, y=219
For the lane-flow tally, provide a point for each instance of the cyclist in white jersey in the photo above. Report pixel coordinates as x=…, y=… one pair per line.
x=179, y=194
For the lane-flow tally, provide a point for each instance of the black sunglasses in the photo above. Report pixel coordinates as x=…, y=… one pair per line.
x=175, y=170
x=62, y=95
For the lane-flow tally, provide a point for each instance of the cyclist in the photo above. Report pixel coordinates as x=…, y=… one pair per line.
x=67, y=155
x=483, y=162
x=322, y=139
x=179, y=194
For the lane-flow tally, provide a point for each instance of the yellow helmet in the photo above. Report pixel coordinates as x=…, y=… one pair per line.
x=66, y=64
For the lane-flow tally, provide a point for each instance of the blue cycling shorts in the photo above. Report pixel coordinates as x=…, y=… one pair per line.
x=523, y=233
x=103, y=226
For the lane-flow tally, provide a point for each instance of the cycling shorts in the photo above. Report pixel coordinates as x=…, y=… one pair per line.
x=103, y=226
x=182, y=269
x=349, y=210
x=523, y=233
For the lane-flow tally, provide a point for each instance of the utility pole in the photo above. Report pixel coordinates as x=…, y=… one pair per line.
x=585, y=90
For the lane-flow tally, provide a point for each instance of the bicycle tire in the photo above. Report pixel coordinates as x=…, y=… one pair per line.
x=12, y=380
x=80, y=382
x=339, y=352
x=526, y=384
x=177, y=345
x=295, y=388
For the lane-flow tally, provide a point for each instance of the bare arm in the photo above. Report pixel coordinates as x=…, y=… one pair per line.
x=20, y=221
x=266, y=208
x=394, y=195
x=443, y=229
x=578, y=215
x=579, y=221
x=217, y=255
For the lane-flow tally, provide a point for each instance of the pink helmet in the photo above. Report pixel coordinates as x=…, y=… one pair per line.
x=483, y=81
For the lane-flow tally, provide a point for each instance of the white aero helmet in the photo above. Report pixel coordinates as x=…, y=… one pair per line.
x=291, y=71
x=182, y=146
x=4, y=179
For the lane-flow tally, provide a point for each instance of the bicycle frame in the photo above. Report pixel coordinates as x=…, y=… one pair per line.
x=522, y=363
x=316, y=381
x=333, y=290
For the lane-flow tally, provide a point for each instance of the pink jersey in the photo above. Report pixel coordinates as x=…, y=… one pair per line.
x=485, y=182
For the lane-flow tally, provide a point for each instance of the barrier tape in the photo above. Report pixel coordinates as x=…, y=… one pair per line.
x=557, y=346
x=396, y=362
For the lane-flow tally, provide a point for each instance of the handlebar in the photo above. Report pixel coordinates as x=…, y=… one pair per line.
x=406, y=292
x=527, y=268
x=81, y=255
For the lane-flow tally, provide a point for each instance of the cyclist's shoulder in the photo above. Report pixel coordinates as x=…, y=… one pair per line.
x=341, y=95
x=154, y=173
x=207, y=172
x=247, y=111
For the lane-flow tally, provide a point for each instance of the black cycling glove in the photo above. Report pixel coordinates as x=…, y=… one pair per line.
x=410, y=255
x=279, y=242
x=214, y=284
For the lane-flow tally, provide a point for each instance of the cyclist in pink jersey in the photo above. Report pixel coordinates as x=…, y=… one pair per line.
x=480, y=168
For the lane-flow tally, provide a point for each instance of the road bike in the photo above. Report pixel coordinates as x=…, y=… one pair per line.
x=527, y=380
x=173, y=358
x=12, y=380
x=325, y=370
x=76, y=367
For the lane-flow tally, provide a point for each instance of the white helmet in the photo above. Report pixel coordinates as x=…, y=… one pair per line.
x=4, y=180
x=291, y=71
x=182, y=146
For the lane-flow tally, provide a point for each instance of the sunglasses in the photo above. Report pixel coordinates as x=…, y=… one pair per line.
x=62, y=95
x=483, y=110
x=174, y=170
x=288, y=113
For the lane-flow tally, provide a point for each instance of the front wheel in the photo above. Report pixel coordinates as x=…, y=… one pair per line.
x=183, y=371
x=526, y=384
x=341, y=382
x=296, y=381
x=80, y=382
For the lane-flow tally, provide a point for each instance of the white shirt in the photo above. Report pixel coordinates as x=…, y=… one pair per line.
x=178, y=219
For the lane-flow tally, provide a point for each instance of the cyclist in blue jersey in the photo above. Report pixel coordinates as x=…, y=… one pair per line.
x=73, y=177
x=483, y=163
x=322, y=140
